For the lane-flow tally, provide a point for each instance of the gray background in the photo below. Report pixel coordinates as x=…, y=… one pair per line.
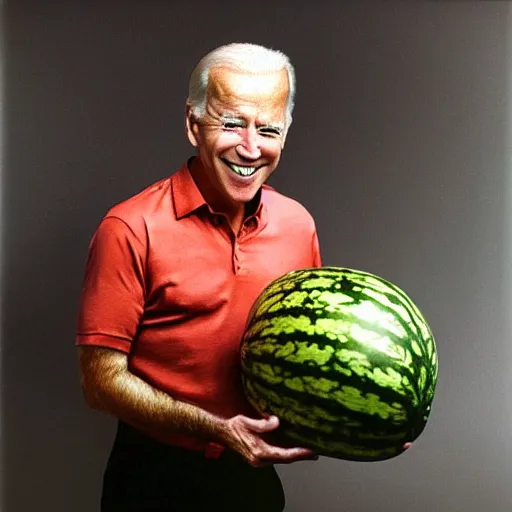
x=400, y=149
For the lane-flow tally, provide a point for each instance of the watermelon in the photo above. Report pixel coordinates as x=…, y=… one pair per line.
x=344, y=358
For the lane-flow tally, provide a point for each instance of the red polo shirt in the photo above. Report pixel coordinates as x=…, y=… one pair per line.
x=168, y=283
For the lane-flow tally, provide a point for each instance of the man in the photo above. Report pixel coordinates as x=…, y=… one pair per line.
x=171, y=275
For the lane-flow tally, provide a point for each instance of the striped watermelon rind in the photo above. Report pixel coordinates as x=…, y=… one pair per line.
x=344, y=358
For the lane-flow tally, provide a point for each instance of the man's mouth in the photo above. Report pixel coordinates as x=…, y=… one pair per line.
x=241, y=170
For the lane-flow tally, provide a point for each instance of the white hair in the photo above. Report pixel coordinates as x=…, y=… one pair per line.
x=243, y=57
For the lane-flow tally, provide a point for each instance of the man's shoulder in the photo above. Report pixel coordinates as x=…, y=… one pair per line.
x=145, y=204
x=284, y=207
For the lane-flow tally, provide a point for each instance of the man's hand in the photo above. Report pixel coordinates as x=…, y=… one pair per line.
x=245, y=436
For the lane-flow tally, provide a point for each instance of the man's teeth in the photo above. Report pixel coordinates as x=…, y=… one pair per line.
x=243, y=171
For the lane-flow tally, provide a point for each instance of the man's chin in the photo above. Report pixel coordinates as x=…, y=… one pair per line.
x=242, y=191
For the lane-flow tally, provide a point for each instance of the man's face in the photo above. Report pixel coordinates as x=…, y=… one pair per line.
x=241, y=135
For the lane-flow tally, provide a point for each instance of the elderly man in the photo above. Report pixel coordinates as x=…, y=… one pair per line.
x=170, y=277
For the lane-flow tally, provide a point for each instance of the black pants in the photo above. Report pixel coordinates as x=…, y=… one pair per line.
x=143, y=475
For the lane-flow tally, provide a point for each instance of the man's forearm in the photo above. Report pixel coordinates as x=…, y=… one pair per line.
x=110, y=387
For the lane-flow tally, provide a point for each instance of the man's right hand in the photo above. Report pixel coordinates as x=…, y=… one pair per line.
x=245, y=436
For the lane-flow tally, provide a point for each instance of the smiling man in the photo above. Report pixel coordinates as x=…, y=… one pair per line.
x=170, y=278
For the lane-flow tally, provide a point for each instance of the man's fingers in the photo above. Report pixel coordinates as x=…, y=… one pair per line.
x=263, y=425
x=250, y=443
x=288, y=455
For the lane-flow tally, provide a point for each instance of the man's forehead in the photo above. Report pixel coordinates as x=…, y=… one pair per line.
x=229, y=84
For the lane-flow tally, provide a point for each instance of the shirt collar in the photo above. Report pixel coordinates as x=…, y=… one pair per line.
x=185, y=194
x=187, y=197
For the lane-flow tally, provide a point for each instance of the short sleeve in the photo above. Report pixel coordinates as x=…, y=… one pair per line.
x=112, y=296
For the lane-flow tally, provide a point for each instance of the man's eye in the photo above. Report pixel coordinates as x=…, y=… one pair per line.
x=271, y=132
x=230, y=125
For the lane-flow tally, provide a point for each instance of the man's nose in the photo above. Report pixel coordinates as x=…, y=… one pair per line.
x=249, y=146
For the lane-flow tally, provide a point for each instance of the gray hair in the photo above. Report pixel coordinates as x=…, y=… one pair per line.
x=244, y=57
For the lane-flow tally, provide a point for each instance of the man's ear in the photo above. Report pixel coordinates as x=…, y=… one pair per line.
x=191, y=126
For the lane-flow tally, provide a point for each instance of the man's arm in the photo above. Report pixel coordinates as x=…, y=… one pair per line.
x=110, y=387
